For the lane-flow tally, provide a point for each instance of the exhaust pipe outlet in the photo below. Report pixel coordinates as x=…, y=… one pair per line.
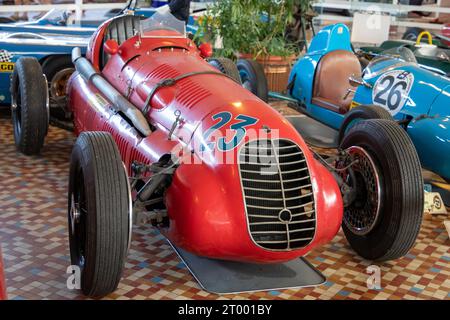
x=88, y=72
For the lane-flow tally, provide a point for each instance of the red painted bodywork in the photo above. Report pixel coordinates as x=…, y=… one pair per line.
x=2, y=279
x=205, y=202
x=446, y=33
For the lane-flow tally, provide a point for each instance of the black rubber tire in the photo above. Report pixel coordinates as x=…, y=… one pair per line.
x=363, y=112
x=412, y=33
x=227, y=67
x=257, y=80
x=402, y=195
x=96, y=165
x=30, y=118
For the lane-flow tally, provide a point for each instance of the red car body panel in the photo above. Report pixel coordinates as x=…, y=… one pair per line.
x=2, y=279
x=205, y=201
x=446, y=33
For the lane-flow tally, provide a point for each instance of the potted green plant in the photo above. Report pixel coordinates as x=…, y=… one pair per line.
x=255, y=29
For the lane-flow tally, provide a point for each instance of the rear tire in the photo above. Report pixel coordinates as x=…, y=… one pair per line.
x=99, y=213
x=226, y=66
x=253, y=78
x=400, y=203
x=57, y=69
x=29, y=106
x=364, y=112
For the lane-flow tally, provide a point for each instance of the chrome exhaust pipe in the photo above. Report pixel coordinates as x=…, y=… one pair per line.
x=87, y=71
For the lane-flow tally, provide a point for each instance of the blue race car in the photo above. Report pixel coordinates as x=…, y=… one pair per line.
x=51, y=49
x=329, y=85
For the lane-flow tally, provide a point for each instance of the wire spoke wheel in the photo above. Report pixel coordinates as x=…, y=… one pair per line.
x=58, y=83
x=363, y=215
x=383, y=217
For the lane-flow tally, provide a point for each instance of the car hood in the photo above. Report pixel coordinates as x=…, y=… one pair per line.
x=441, y=105
x=425, y=89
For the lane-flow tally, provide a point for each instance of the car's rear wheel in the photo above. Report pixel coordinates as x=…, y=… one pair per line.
x=253, y=78
x=383, y=220
x=363, y=112
x=29, y=105
x=58, y=70
x=227, y=67
x=99, y=213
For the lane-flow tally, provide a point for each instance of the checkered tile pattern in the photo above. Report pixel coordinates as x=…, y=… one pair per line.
x=5, y=56
x=33, y=235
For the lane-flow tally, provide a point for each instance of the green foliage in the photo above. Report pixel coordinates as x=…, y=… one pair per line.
x=255, y=27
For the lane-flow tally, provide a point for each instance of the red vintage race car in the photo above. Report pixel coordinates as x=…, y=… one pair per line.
x=165, y=138
x=2, y=279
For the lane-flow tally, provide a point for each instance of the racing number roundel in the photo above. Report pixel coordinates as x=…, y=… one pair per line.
x=391, y=90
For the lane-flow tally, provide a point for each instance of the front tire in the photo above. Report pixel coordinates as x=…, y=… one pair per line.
x=383, y=221
x=99, y=213
x=363, y=112
x=29, y=106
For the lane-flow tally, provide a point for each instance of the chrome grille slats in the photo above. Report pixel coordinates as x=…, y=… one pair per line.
x=275, y=182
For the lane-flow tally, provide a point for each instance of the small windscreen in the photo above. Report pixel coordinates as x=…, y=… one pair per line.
x=163, y=26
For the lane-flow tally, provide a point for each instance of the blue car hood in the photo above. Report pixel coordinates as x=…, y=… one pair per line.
x=426, y=89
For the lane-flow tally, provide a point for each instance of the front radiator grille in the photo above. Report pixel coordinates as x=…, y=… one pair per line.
x=278, y=194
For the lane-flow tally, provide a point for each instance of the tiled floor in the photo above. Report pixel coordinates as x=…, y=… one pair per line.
x=34, y=241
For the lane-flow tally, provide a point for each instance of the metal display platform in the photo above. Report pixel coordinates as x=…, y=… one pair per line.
x=227, y=277
x=314, y=132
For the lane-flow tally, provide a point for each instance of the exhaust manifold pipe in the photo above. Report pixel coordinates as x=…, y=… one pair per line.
x=88, y=72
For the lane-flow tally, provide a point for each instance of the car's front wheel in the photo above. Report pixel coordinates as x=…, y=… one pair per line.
x=384, y=217
x=99, y=213
x=363, y=112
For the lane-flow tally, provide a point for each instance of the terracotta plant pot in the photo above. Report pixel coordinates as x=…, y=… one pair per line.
x=277, y=70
